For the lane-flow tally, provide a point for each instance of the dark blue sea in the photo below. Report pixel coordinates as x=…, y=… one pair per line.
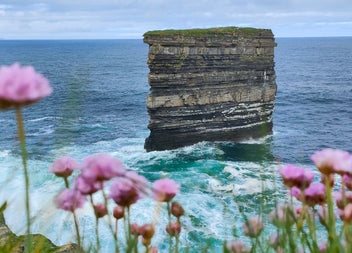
x=99, y=105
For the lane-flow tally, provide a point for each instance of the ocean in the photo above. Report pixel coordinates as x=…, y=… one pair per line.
x=99, y=105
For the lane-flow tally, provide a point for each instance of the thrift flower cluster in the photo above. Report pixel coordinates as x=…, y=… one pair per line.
x=323, y=204
x=21, y=86
x=126, y=188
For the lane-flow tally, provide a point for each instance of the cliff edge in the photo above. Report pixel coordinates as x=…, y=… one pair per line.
x=214, y=84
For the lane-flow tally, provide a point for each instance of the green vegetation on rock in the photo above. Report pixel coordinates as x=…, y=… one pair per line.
x=208, y=32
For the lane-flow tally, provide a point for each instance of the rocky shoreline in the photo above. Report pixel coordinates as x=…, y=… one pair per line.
x=10, y=242
x=213, y=84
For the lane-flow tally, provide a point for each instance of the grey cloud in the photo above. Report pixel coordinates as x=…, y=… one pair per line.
x=131, y=18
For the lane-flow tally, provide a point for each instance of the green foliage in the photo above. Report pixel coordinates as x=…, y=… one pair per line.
x=208, y=32
x=3, y=207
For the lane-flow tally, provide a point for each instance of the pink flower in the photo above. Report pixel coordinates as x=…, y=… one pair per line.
x=343, y=166
x=64, y=166
x=326, y=160
x=135, y=229
x=124, y=192
x=237, y=247
x=275, y=240
x=346, y=213
x=173, y=228
x=147, y=231
x=118, y=212
x=85, y=186
x=322, y=247
x=330, y=178
x=347, y=181
x=140, y=182
x=296, y=176
x=295, y=192
x=69, y=200
x=165, y=189
x=298, y=210
x=315, y=194
x=153, y=249
x=177, y=209
x=21, y=86
x=100, y=210
x=146, y=241
x=100, y=167
x=323, y=215
x=253, y=227
x=343, y=200
x=282, y=216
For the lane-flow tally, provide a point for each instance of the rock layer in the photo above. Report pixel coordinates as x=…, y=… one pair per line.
x=213, y=84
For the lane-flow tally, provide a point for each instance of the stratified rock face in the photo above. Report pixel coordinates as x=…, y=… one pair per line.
x=209, y=85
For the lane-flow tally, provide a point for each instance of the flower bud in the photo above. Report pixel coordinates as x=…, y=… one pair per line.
x=237, y=247
x=173, y=228
x=253, y=227
x=176, y=209
x=322, y=247
x=146, y=241
x=135, y=229
x=118, y=212
x=147, y=231
x=153, y=249
x=100, y=210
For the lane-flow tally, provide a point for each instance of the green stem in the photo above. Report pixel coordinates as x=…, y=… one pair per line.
x=130, y=241
x=169, y=224
x=67, y=185
x=105, y=197
x=97, y=233
x=96, y=224
x=22, y=138
x=117, y=232
x=77, y=229
x=129, y=223
x=125, y=227
x=312, y=227
x=177, y=238
x=331, y=215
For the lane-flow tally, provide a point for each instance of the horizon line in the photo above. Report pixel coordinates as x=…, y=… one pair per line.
x=133, y=38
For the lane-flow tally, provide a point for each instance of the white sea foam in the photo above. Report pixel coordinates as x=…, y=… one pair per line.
x=4, y=153
x=207, y=195
x=215, y=185
x=256, y=140
x=43, y=118
x=45, y=130
x=249, y=186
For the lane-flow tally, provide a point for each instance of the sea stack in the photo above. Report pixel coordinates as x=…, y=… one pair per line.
x=215, y=84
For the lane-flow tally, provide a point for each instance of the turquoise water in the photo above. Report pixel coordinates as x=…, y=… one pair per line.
x=98, y=105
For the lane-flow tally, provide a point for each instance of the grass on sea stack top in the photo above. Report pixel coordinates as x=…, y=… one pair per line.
x=208, y=32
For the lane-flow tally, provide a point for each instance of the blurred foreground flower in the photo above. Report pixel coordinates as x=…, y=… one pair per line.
x=330, y=161
x=253, y=227
x=64, y=166
x=124, y=192
x=296, y=176
x=165, y=189
x=315, y=194
x=21, y=86
x=101, y=167
x=70, y=200
x=237, y=247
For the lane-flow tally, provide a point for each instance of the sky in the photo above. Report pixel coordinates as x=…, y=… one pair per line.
x=125, y=19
